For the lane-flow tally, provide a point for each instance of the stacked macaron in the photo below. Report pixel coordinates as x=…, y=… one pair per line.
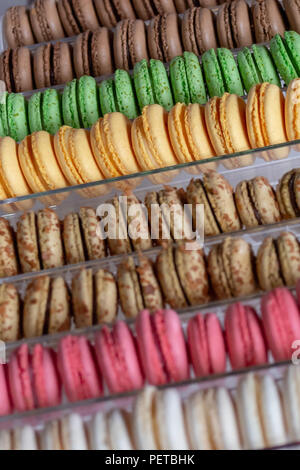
x=35, y=380
x=272, y=422
x=49, y=20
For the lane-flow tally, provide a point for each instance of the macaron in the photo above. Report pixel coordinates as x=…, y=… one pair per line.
x=230, y=267
x=147, y=10
x=266, y=120
x=106, y=293
x=17, y=28
x=16, y=69
x=17, y=116
x=129, y=43
x=82, y=298
x=206, y=344
x=10, y=321
x=13, y=183
x=160, y=84
x=94, y=243
x=287, y=193
x=73, y=242
x=265, y=65
x=292, y=13
x=52, y=64
x=268, y=20
x=244, y=337
x=170, y=363
x=77, y=16
x=112, y=147
x=125, y=94
x=142, y=84
x=198, y=30
x=282, y=59
x=150, y=139
x=230, y=72
x=6, y=405
x=110, y=12
x=248, y=68
x=50, y=239
x=216, y=194
x=179, y=81
x=195, y=78
x=226, y=124
x=87, y=98
x=8, y=255
x=27, y=243
x=107, y=97
x=112, y=348
x=291, y=382
x=163, y=37
x=213, y=74
x=44, y=111
x=45, y=22
x=4, y=130
x=292, y=44
x=233, y=24
x=280, y=313
x=278, y=261
x=77, y=369
x=92, y=53
x=256, y=202
x=70, y=110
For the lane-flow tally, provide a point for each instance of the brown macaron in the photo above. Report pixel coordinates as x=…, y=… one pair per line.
x=256, y=202
x=198, y=30
x=268, y=20
x=16, y=27
x=110, y=12
x=9, y=313
x=137, y=221
x=16, y=70
x=150, y=288
x=106, y=297
x=233, y=24
x=147, y=9
x=45, y=21
x=278, y=262
x=288, y=194
x=117, y=235
x=50, y=239
x=183, y=5
x=73, y=243
x=52, y=65
x=129, y=289
x=230, y=268
x=92, y=53
x=27, y=243
x=292, y=10
x=8, y=256
x=129, y=43
x=77, y=16
x=164, y=41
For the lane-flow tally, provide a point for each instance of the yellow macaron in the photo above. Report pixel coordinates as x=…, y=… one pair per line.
x=266, y=119
x=226, y=124
x=292, y=111
x=12, y=181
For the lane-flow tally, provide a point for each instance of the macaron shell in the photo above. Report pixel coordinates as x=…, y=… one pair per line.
x=248, y=69
x=69, y=105
x=42, y=66
x=45, y=21
x=267, y=19
x=17, y=116
x=87, y=101
x=108, y=99
x=161, y=85
x=265, y=65
x=17, y=27
x=11, y=178
x=27, y=243
x=8, y=259
x=62, y=63
x=142, y=84
x=3, y=114
x=196, y=195
x=292, y=12
x=45, y=379
x=5, y=406
x=230, y=72
x=176, y=128
x=102, y=59
x=267, y=266
x=59, y=307
x=35, y=112
x=289, y=257
x=20, y=381
x=179, y=81
x=197, y=135
x=35, y=305
x=125, y=94
x=21, y=69
x=292, y=104
x=10, y=317
x=82, y=297
x=213, y=74
x=62, y=146
x=26, y=160
x=195, y=78
x=50, y=241
x=168, y=279
x=51, y=111
x=282, y=60
x=106, y=297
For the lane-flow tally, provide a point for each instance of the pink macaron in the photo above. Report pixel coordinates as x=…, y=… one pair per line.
x=78, y=369
x=45, y=377
x=206, y=344
x=244, y=335
x=5, y=402
x=19, y=375
x=162, y=347
x=118, y=360
x=281, y=321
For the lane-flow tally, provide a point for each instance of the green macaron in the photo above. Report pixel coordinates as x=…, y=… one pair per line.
x=282, y=59
x=142, y=84
x=230, y=72
x=125, y=94
x=69, y=105
x=51, y=111
x=265, y=65
x=161, y=84
x=107, y=95
x=35, y=112
x=179, y=81
x=195, y=78
x=213, y=74
x=292, y=43
x=4, y=131
x=248, y=69
x=87, y=99
x=17, y=116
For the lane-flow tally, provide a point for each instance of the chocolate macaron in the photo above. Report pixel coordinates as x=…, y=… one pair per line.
x=164, y=42
x=110, y=12
x=268, y=20
x=292, y=10
x=147, y=9
x=183, y=5
x=288, y=194
x=16, y=27
x=77, y=16
x=233, y=24
x=198, y=30
x=92, y=53
x=16, y=70
x=52, y=65
x=130, y=44
x=45, y=21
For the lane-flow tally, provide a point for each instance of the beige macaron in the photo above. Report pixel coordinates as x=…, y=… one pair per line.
x=106, y=297
x=50, y=239
x=82, y=298
x=59, y=311
x=35, y=307
x=8, y=256
x=73, y=243
x=27, y=243
x=9, y=313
